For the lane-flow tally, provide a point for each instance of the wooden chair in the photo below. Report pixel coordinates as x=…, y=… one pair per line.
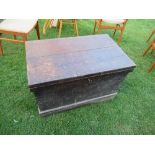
x=72, y=22
x=116, y=24
x=17, y=27
x=59, y=23
x=48, y=24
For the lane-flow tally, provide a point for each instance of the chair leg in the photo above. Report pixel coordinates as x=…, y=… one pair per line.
x=25, y=38
x=147, y=49
x=37, y=29
x=73, y=22
x=115, y=30
x=95, y=27
x=120, y=38
x=60, y=28
x=58, y=25
x=14, y=37
x=1, y=49
x=76, y=28
x=122, y=31
x=152, y=51
x=114, y=33
x=99, y=29
x=150, y=36
x=46, y=25
x=152, y=67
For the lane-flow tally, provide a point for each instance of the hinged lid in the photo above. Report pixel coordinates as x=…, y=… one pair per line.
x=54, y=60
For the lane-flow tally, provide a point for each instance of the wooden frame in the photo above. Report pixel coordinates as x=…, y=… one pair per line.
x=151, y=46
x=152, y=67
x=73, y=22
x=16, y=34
x=1, y=50
x=48, y=23
x=153, y=32
x=75, y=74
x=120, y=27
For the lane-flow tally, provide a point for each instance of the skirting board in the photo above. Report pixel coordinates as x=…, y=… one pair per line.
x=77, y=104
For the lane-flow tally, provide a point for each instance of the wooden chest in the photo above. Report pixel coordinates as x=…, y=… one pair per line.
x=69, y=72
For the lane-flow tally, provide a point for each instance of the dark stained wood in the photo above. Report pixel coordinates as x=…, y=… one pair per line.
x=78, y=92
x=69, y=72
x=60, y=59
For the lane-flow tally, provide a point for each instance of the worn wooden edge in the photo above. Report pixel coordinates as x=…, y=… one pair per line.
x=68, y=38
x=40, y=85
x=77, y=104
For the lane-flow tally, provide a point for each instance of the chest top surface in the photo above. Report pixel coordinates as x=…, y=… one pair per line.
x=52, y=60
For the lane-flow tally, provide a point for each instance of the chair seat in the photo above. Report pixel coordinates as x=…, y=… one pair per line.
x=18, y=25
x=114, y=21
